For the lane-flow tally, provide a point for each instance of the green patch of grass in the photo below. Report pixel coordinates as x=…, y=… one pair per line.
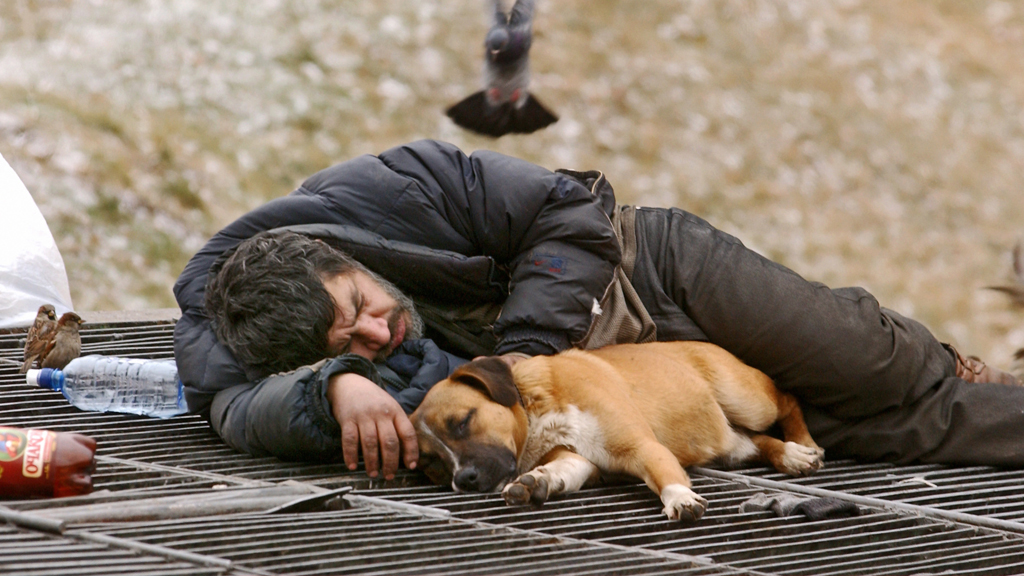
x=181, y=191
x=101, y=119
x=107, y=209
x=307, y=123
x=302, y=53
x=162, y=250
x=112, y=169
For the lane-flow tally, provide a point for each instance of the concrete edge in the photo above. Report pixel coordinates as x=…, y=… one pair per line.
x=118, y=316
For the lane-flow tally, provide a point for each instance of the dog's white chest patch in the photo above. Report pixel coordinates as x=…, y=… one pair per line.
x=572, y=428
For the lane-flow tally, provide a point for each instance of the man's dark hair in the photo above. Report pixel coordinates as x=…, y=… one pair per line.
x=268, y=302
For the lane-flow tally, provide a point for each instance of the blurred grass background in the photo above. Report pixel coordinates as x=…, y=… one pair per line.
x=878, y=144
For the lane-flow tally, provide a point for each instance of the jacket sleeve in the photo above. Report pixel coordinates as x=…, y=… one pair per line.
x=414, y=368
x=285, y=415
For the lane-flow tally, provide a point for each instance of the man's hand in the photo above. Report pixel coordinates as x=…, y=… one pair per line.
x=370, y=418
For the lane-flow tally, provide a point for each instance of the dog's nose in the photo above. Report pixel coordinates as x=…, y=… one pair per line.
x=467, y=479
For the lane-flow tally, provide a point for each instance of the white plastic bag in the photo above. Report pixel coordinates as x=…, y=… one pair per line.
x=31, y=269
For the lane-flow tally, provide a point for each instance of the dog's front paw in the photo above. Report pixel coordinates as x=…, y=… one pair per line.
x=530, y=487
x=800, y=460
x=682, y=504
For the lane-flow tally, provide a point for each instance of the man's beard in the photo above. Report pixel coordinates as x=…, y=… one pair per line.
x=414, y=327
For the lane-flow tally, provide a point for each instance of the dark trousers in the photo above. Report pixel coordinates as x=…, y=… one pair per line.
x=874, y=385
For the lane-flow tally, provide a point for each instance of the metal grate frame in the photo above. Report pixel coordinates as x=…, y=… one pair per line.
x=170, y=498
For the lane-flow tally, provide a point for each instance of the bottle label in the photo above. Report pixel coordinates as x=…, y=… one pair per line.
x=25, y=460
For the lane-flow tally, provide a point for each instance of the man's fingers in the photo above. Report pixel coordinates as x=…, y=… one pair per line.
x=368, y=435
x=389, y=448
x=407, y=436
x=373, y=423
x=350, y=444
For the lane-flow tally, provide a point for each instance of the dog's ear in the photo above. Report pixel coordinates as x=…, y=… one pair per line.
x=435, y=469
x=491, y=375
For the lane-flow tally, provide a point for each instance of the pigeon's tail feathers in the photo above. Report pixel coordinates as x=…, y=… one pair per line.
x=531, y=116
x=475, y=113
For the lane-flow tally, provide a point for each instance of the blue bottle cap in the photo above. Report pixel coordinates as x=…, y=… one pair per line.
x=48, y=378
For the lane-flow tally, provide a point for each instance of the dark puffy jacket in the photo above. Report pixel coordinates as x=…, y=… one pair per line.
x=465, y=236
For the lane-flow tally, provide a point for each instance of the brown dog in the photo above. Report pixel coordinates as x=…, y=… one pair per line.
x=551, y=424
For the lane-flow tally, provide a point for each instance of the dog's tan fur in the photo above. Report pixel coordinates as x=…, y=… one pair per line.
x=552, y=424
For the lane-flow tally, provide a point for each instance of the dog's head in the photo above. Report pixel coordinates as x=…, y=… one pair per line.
x=471, y=427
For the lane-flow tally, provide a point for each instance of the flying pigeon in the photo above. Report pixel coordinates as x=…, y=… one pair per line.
x=504, y=105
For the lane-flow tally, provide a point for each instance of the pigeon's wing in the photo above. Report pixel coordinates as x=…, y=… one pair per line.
x=498, y=15
x=531, y=117
x=521, y=15
x=474, y=113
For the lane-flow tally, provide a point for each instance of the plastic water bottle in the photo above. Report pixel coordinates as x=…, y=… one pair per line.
x=112, y=384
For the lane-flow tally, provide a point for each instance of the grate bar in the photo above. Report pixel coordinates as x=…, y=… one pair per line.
x=227, y=479
x=171, y=553
x=32, y=521
x=665, y=555
x=427, y=511
x=895, y=540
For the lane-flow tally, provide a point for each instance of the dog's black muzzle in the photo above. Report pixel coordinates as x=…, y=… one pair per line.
x=487, y=470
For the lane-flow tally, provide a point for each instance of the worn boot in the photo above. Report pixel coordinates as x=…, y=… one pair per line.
x=972, y=369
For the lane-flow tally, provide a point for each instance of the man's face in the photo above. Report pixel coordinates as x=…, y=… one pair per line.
x=372, y=317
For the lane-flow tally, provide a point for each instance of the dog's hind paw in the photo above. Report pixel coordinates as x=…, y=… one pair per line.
x=682, y=504
x=526, y=489
x=800, y=460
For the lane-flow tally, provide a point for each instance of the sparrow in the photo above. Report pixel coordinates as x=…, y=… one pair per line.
x=504, y=105
x=40, y=334
x=1016, y=290
x=66, y=344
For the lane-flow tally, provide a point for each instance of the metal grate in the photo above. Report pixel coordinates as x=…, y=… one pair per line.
x=26, y=552
x=170, y=498
x=375, y=540
x=979, y=491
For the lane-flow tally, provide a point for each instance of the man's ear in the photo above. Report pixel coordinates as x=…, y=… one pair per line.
x=491, y=375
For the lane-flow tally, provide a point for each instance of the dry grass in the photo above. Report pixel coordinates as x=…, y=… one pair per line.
x=861, y=143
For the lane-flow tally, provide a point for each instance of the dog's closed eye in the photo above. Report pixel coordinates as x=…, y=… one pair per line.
x=460, y=428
